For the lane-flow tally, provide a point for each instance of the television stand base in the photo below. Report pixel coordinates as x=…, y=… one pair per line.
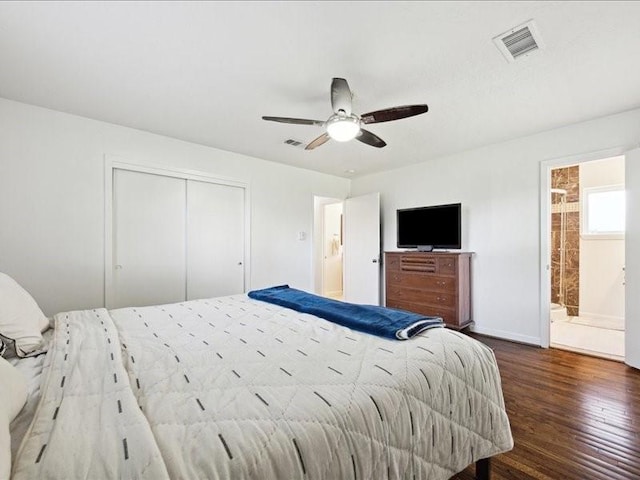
x=425, y=248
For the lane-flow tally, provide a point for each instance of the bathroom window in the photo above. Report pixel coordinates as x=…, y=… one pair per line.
x=603, y=211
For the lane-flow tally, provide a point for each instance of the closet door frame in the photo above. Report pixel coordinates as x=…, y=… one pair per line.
x=112, y=163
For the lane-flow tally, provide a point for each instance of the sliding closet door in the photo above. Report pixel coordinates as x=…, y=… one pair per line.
x=148, y=239
x=215, y=240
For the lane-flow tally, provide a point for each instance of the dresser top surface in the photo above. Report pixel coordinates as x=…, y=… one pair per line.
x=415, y=252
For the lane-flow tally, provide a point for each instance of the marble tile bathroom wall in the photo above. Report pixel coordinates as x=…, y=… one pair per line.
x=568, y=179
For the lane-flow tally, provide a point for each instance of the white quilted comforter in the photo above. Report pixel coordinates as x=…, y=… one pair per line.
x=233, y=388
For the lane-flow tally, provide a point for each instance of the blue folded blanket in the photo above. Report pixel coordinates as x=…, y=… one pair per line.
x=381, y=321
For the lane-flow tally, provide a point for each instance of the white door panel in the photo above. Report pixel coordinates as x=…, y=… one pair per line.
x=149, y=239
x=362, y=249
x=632, y=258
x=215, y=240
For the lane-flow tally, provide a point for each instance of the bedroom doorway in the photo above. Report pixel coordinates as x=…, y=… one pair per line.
x=346, y=239
x=587, y=257
x=328, y=246
x=332, y=264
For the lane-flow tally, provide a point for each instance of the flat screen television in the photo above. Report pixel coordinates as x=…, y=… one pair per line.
x=426, y=228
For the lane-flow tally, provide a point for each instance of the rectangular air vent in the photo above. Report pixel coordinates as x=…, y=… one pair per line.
x=519, y=41
x=293, y=143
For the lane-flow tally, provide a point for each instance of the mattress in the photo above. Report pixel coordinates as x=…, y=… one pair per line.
x=236, y=388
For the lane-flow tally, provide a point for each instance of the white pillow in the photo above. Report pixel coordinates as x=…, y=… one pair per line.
x=13, y=396
x=21, y=320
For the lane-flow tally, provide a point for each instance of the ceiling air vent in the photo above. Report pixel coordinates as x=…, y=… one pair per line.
x=293, y=143
x=519, y=41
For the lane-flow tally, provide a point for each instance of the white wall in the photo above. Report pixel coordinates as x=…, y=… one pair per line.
x=498, y=186
x=601, y=259
x=52, y=202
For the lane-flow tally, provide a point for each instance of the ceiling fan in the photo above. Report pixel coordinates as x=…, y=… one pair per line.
x=344, y=125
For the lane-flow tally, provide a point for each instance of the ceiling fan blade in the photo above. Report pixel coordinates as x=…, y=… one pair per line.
x=365, y=136
x=324, y=138
x=340, y=96
x=296, y=121
x=394, y=113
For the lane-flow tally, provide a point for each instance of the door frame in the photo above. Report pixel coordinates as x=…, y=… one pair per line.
x=545, y=228
x=112, y=162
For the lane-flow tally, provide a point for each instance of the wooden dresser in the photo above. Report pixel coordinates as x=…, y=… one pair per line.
x=430, y=283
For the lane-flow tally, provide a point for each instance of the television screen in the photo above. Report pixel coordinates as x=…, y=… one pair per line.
x=437, y=226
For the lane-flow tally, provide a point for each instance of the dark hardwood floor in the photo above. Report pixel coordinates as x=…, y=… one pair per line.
x=572, y=416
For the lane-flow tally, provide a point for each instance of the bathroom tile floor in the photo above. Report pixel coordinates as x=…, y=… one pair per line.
x=335, y=295
x=599, y=342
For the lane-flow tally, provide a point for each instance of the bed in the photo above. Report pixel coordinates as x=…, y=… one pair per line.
x=233, y=387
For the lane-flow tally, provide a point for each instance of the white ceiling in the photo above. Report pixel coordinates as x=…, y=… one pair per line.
x=206, y=72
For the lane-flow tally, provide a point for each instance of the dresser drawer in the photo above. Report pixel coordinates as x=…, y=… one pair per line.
x=392, y=262
x=426, y=282
x=400, y=293
x=448, y=315
x=447, y=265
x=419, y=263
x=423, y=263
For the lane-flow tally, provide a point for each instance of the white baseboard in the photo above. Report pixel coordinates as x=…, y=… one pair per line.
x=506, y=335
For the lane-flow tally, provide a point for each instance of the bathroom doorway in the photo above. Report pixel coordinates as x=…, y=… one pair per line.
x=587, y=214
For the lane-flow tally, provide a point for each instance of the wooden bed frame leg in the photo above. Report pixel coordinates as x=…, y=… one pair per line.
x=483, y=469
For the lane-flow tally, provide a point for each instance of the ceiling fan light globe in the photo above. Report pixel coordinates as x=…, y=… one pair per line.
x=343, y=129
